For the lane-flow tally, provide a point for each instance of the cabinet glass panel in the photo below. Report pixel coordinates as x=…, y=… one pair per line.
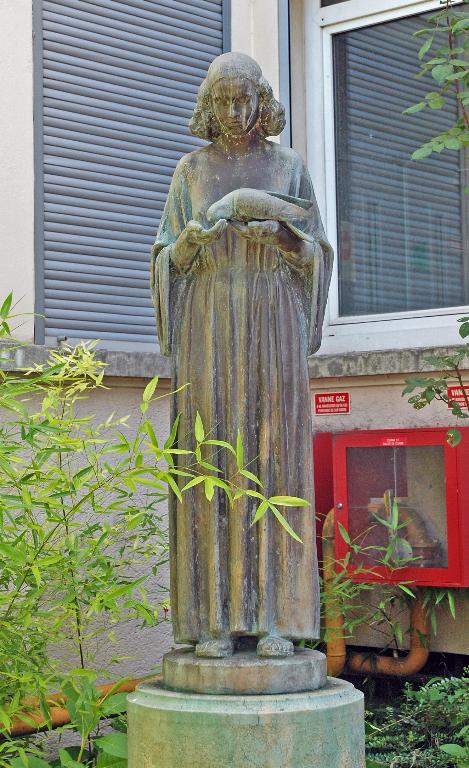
x=397, y=506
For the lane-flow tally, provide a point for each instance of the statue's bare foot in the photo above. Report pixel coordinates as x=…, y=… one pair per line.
x=220, y=648
x=273, y=646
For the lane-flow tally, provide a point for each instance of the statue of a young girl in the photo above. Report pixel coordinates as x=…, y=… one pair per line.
x=239, y=306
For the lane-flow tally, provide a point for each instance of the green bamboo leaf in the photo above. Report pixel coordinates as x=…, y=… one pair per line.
x=260, y=511
x=199, y=430
x=149, y=390
x=406, y=590
x=239, y=450
x=15, y=553
x=209, y=488
x=222, y=444
x=194, y=481
x=37, y=574
x=284, y=523
x=174, y=486
x=254, y=494
x=224, y=485
x=344, y=533
x=173, y=434
x=6, y=306
x=207, y=465
x=451, y=604
x=289, y=501
x=250, y=476
x=394, y=515
x=151, y=434
x=135, y=520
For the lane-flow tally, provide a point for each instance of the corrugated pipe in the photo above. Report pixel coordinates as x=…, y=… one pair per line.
x=33, y=719
x=410, y=664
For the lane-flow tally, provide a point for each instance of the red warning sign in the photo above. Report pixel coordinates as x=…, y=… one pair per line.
x=332, y=402
x=456, y=393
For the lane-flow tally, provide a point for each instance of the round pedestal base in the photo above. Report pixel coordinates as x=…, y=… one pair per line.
x=244, y=673
x=321, y=729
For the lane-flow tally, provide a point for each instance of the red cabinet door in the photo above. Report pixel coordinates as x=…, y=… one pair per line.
x=397, y=510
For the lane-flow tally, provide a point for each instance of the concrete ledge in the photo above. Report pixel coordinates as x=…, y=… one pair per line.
x=120, y=363
x=145, y=365
x=384, y=362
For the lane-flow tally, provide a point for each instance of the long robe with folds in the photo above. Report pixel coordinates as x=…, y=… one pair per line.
x=239, y=326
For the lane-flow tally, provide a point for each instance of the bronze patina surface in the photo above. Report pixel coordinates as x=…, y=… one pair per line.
x=240, y=295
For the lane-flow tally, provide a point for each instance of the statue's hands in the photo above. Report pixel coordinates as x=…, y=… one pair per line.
x=267, y=232
x=192, y=237
x=273, y=233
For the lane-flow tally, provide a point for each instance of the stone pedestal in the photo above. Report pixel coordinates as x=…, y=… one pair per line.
x=318, y=729
x=245, y=673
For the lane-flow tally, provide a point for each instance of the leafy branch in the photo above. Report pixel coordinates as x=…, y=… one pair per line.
x=433, y=388
x=444, y=55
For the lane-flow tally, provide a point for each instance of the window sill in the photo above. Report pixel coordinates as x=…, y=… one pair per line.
x=376, y=363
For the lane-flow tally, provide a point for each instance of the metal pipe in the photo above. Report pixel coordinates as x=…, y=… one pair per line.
x=334, y=619
x=32, y=719
x=418, y=653
x=336, y=651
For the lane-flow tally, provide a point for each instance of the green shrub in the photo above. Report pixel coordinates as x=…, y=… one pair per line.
x=428, y=729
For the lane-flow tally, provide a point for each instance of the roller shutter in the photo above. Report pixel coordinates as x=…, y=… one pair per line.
x=118, y=88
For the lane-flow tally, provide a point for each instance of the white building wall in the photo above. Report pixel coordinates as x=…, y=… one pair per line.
x=16, y=158
x=254, y=30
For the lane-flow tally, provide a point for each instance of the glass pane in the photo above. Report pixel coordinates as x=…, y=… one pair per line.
x=397, y=506
x=400, y=222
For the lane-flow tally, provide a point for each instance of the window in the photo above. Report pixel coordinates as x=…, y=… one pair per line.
x=398, y=226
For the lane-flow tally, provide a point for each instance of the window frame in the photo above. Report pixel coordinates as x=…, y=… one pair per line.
x=393, y=330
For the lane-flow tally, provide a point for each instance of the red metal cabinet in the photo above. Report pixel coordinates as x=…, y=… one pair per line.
x=402, y=503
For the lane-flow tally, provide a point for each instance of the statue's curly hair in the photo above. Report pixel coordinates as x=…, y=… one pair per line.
x=271, y=121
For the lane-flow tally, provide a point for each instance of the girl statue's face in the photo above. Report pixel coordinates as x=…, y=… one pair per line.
x=235, y=104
